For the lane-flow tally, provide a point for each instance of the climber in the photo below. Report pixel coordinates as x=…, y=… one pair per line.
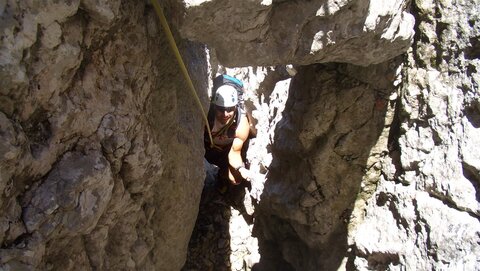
x=230, y=129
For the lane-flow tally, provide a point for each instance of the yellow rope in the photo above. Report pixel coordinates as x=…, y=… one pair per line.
x=175, y=50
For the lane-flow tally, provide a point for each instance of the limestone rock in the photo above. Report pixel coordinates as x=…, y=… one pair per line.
x=320, y=147
x=367, y=168
x=265, y=33
x=373, y=168
x=432, y=192
x=363, y=160
x=100, y=150
x=72, y=198
x=102, y=11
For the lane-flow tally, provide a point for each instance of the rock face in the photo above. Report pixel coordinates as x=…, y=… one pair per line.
x=333, y=123
x=365, y=156
x=427, y=194
x=100, y=147
x=264, y=32
x=223, y=231
x=370, y=168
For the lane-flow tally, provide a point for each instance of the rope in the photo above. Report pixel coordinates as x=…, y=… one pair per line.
x=173, y=45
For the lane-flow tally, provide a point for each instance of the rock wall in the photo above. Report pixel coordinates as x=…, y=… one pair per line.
x=100, y=140
x=370, y=163
x=335, y=119
x=370, y=168
x=427, y=188
x=266, y=32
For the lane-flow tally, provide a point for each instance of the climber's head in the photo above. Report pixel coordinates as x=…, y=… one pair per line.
x=225, y=101
x=226, y=96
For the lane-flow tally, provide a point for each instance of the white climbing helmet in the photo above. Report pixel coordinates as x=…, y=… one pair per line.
x=226, y=96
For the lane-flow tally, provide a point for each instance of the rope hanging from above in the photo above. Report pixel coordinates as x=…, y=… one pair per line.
x=173, y=45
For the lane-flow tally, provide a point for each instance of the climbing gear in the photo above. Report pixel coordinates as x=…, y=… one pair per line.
x=173, y=45
x=224, y=128
x=228, y=80
x=225, y=109
x=226, y=96
x=223, y=80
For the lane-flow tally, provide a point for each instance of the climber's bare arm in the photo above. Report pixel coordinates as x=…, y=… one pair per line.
x=234, y=156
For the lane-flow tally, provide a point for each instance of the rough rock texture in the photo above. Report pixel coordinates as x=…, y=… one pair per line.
x=332, y=120
x=100, y=140
x=222, y=238
x=427, y=195
x=362, y=168
x=370, y=168
x=360, y=32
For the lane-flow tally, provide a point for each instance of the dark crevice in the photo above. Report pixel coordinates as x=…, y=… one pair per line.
x=473, y=52
x=396, y=214
x=449, y=202
x=376, y=260
x=382, y=199
x=351, y=255
x=420, y=225
x=317, y=194
x=382, y=260
x=267, y=86
x=387, y=198
x=393, y=140
x=472, y=112
x=473, y=175
x=437, y=140
x=38, y=130
x=439, y=28
x=348, y=82
x=419, y=37
x=471, y=69
x=19, y=242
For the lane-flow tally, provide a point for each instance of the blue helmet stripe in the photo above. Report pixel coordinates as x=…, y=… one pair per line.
x=234, y=80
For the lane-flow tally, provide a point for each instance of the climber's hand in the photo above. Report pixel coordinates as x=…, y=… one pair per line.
x=246, y=174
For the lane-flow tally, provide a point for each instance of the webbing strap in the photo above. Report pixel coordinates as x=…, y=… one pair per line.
x=226, y=127
x=173, y=45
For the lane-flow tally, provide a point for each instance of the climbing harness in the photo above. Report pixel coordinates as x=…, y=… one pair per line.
x=224, y=129
x=173, y=45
